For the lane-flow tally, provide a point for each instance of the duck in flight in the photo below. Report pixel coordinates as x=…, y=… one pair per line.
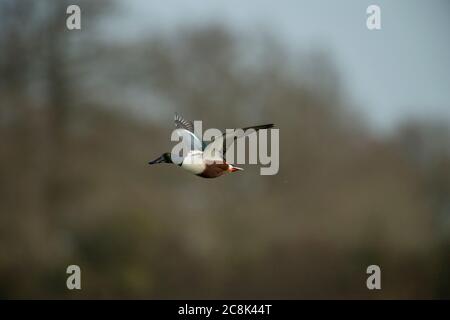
x=203, y=159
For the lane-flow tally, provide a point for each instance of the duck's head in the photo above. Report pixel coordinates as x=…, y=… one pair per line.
x=164, y=158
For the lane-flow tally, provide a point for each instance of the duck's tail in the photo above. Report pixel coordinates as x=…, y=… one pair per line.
x=233, y=168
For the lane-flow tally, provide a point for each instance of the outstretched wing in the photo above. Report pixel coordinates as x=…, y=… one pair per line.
x=217, y=149
x=181, y=123
x=184, y=129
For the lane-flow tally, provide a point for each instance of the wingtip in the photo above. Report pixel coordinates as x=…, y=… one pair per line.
x=266, y=126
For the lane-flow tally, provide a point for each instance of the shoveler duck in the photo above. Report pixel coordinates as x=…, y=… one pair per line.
x=202, y=159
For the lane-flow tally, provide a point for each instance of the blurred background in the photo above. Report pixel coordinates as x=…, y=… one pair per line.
x=364, y=119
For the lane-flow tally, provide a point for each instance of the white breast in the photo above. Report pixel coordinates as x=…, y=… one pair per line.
x=193, y=162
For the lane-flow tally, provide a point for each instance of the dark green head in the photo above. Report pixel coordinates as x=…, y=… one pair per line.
x=164, y=158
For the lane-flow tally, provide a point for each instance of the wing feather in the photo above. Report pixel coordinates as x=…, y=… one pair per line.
x=221, y=144
x=181, y=123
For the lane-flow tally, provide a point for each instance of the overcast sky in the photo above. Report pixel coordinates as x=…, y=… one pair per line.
x=400, y=71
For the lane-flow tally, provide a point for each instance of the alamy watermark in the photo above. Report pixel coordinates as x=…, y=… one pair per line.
x=263, y=147
x=74, y=280
x=373, y=21
x=374, y=280
x=73, y=21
